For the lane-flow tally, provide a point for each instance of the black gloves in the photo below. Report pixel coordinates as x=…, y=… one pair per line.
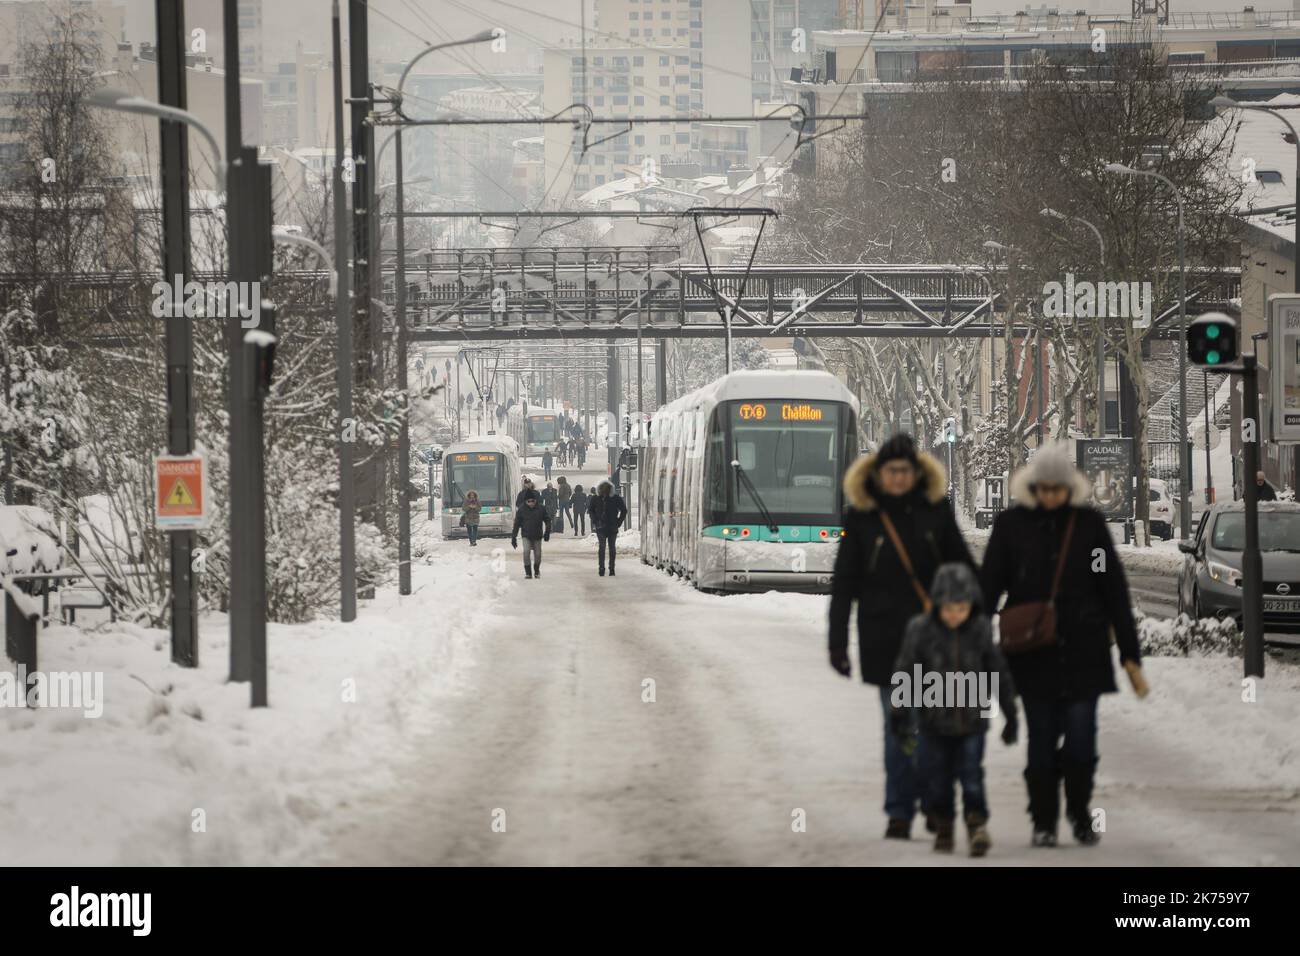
x=840, y=662
x=514, y=543
x=1010, y=732
x=547, y=536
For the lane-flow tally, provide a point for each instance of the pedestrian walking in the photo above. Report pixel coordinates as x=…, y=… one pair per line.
x=534, y=524
x=526, y=486
x=582, y=453
x=550, y=501
x=1051, y=555
x=607, y=511
x=897, y=531
x=547, y=460
x=951, y=648
x=469, y=516
x=580, y=499
x=564, y=494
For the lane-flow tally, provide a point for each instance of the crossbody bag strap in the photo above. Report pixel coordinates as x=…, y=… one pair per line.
x=907, y=561
x=1060, y=562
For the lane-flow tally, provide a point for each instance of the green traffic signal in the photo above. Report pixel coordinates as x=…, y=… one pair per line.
x=1212, y=340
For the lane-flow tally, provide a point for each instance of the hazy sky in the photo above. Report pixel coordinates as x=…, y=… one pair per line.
x=288, y=22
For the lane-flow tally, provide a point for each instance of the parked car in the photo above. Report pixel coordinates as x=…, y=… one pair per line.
x=1210, y=582
x=1163, y=513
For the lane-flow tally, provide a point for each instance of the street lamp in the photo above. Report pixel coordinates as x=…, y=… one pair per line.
x=1227, y=103
x=1184, y=457
x=1101, y=322
x=404, y=441
x=294, y=239
x=123, y=103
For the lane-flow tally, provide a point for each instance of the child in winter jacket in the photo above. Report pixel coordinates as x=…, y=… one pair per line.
x=948, y=678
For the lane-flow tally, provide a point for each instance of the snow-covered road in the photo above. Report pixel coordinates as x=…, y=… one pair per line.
x=551, y=736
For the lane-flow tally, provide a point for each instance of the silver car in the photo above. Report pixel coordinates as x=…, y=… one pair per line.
x=1210, y=583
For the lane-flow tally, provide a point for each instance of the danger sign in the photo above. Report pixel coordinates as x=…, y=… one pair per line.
x=181, y=482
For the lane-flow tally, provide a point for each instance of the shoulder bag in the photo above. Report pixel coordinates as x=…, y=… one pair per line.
x=1032, y=625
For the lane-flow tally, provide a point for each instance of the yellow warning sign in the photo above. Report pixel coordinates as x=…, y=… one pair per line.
x=180, y=495
x=180, y=484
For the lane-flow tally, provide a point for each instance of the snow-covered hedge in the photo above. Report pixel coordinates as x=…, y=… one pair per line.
x=1183, y=636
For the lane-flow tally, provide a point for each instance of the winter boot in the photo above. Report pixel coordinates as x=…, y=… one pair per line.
x=602, y=572
x=977, y=834
x=528, y=570
x=898, y=829
x=1078, y=794
x=943, y=835
x=537, y=571
x=1044, y=804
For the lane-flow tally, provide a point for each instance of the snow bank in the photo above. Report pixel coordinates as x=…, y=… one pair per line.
x=179, y=750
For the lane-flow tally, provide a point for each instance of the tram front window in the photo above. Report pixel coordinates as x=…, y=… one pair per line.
x=793, y=454
x=474, y=471
x=543, y=430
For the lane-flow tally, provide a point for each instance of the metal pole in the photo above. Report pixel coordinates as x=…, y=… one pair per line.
x=1252, y=568
x=1209, y=478
x=404, y=439
x=343, y=317
x=362, y=144
x=661, y=373
x=241, y=465
x=1184, y=453
x=459, y=403
x=174, y=170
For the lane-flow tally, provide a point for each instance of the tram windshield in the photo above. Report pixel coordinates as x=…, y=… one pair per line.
x=793, y=452
x=481, y=471
x=543, y=429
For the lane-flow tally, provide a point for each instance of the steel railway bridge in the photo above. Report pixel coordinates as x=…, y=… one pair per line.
x=620, y=292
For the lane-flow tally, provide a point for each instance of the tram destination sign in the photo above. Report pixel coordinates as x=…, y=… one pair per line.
x=788, y=412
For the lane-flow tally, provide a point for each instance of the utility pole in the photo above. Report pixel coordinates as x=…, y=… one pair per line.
x=249, y=217
x=344, y=362
x=174, y=169
x=363, y=150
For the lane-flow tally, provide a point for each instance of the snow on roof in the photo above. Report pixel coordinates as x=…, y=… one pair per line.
x=501, y=443
x=1260, y=139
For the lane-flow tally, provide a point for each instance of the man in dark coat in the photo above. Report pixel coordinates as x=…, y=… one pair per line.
x=526, y=486
x=1263, y=490
x=900, y=488
x=579, y=516
x=535, y=524
x=1060, y=683
x=547, y=460
x=607, y=511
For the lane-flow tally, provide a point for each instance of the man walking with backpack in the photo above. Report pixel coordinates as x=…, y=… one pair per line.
x=607, y=511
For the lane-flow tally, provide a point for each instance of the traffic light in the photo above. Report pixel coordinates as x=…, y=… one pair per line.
x=1212, y=340
x=950, y=430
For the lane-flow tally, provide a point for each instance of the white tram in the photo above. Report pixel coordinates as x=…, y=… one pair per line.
x=535, y=431
x=740, y=484
x=489, y=465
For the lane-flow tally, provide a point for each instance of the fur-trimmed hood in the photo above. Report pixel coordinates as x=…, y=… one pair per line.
x=860, y=485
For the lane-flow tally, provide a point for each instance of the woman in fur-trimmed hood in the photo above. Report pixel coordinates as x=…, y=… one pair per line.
x=902, y=489
x=1060, y=684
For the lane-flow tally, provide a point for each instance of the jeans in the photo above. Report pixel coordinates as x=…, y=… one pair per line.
x=901, y=783
x=579, y=521
x=472, y=531
x=943, y=761
x=1050, y=718
x=546, y=471
x=533, y=553
x=566, y=508
x=603, y=535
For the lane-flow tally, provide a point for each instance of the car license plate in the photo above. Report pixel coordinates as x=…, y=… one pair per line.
x=1285, y=605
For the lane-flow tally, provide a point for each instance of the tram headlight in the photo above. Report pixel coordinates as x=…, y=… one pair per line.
x=744, y=532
